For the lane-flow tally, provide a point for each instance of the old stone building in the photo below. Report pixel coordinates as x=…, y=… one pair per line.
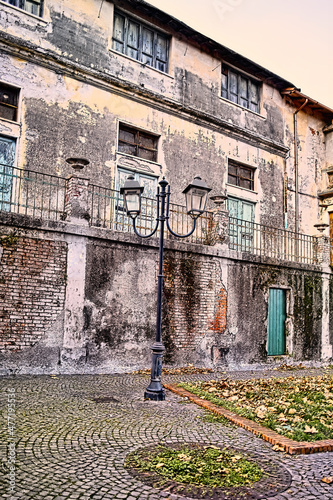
x=134, y=91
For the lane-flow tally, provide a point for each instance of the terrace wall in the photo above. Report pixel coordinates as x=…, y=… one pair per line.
x=89, y=300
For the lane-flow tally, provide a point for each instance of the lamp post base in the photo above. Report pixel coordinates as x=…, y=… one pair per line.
x=155, y=391
x=155, y=396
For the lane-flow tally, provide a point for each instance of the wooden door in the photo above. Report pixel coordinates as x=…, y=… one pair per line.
x=276, y=322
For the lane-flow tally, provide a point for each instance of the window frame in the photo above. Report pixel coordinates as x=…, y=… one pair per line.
x=143, y=55
x=6, y=87
x=139, y=133
x=228, y=74
x=23, y=5
x=238, y=176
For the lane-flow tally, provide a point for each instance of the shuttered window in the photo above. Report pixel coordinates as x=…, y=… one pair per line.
x=32, y=6
x=8, y=102
x=240, y=89
x=137, y=143
x=240, y=175
x=140, y=42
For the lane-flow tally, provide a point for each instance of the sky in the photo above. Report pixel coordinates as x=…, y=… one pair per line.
x=291, y=38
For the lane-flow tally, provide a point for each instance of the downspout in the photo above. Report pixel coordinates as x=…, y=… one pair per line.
x=296, y=166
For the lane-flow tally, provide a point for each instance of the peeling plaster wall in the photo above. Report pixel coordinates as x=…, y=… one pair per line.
x=248, y=311
x=78, y=88
x=98, y=313
x=74, y=92
x=120, y=304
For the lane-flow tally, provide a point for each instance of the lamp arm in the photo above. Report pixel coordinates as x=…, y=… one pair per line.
x=182, y=235
x=157, y=220
x=167, y=220
x=145, y=235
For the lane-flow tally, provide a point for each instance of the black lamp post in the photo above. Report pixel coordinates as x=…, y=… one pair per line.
x=196, y=197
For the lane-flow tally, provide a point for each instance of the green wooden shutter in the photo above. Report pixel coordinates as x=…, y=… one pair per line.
x=276, y=322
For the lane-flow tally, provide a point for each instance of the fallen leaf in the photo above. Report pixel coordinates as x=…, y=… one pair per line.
x=261, y=412
x=233, y=398
x=310, y=430
x=278, y=447
x=328, y=479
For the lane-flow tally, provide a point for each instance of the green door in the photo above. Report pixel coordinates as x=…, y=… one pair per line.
x=240, y=224
x=276, y=322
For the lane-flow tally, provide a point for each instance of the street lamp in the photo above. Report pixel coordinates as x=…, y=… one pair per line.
x=196, y=197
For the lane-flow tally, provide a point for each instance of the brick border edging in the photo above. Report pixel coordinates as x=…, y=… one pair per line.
x=288, y=445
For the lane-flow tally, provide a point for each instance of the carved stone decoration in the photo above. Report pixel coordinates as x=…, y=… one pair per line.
x=133, y=164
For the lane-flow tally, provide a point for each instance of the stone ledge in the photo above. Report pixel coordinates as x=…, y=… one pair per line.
x=288, y=445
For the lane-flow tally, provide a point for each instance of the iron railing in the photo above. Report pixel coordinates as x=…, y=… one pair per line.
x=32, y=193
x=107, y=211
x=266, y=241
x=42, y=196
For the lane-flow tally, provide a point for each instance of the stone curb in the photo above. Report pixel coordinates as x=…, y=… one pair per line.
x=288, y=445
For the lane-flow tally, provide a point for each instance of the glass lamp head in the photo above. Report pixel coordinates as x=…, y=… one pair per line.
x=132, y=196
x=196, y=195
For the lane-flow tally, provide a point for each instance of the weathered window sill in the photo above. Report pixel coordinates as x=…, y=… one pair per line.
x=24, y=12
x=242, y=107
x=143, y=65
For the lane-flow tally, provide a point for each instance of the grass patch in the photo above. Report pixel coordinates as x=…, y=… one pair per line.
x=211, y=418
x=207, y=466
x=300, y=408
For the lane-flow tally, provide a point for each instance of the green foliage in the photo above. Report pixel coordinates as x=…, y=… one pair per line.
x=206, y=466
x=216, y=419
x=9, y=240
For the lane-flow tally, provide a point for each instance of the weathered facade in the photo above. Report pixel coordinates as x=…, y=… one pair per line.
x=134, y=90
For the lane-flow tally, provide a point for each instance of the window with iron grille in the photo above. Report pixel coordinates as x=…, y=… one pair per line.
x=8, y=102
x=137, y=143
x=240, y=175
x=32, y=6
x=240, y=89
x=140, y=42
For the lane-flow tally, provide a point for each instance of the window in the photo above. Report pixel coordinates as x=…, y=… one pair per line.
x=140, y=42
x=239, y=88
x=137, y=143
x=240, y=175
x=8, y=102
x=32, y=6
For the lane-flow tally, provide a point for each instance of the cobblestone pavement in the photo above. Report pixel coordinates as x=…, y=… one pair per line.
x=69, y=446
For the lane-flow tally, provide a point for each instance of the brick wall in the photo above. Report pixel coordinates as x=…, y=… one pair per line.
x=195, y=300
x=32, y=289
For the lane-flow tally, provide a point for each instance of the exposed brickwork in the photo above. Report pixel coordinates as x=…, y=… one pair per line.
x=196, y=300
x=32, y=289
x=288, y=445
x=220, y=317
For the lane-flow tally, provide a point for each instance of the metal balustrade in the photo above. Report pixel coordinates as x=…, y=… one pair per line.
x=32, y=193
x=42, y=196
x=107, y=211
x=266, y=241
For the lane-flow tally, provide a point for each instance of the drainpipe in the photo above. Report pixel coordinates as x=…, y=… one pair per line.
x=296, y=166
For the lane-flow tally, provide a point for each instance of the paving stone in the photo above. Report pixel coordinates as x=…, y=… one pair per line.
x=71, y=447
